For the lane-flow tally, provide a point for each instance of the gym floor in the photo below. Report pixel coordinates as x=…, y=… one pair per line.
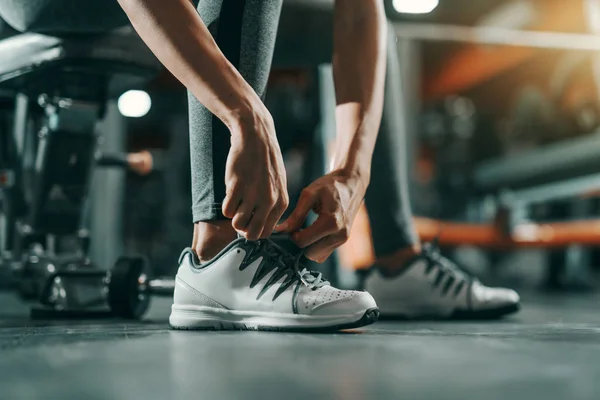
x=551, y=350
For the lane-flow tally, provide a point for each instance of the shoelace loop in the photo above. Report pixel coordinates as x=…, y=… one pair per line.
x=311, y=279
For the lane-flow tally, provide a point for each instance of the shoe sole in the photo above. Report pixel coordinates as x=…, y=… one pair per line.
x=459, y=315
x=495, y=313
x=212, y=319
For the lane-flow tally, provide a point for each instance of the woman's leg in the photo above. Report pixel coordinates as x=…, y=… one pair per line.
x=245, y=31
x=387, y=198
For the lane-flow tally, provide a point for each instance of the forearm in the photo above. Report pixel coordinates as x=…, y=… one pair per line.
x=177, y=36
x=359, y=75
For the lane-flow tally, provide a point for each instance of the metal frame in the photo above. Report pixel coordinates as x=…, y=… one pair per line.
x=498, y=36
x=542, y=165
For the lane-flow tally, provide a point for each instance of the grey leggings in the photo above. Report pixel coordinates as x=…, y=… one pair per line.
x=245, y=31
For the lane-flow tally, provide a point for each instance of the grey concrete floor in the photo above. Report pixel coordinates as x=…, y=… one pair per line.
x=551, y=350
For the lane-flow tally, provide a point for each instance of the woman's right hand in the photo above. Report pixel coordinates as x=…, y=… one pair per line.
x=255, y=177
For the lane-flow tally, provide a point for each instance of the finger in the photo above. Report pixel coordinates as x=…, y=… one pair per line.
x=280, y=227
x=270, y=223
x=321, y=228
x=242, y=217
x=321, y=250
x=306, y=202
x=230, y=204
x=257, y=223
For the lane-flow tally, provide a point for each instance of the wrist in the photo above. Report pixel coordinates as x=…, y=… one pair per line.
x=353, y=155
x=247, y=116
x=355, y=174
x=353, y=168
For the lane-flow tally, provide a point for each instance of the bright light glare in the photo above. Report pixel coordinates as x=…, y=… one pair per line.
x=134, y=103
x=415, y=6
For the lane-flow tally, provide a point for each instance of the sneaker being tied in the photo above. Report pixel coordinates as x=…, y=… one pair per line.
x=261, y=286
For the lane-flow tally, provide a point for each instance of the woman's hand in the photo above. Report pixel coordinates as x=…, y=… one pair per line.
x=255, y=178
x=335, y=198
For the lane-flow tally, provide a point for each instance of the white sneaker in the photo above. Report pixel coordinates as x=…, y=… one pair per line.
x=258, y=285
x=432, y=286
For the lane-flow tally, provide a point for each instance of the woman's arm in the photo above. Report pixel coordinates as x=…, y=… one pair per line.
x=359, y=56
x=359, y=61
x=175, y=33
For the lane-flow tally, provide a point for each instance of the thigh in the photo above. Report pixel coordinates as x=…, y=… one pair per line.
x=63, y=16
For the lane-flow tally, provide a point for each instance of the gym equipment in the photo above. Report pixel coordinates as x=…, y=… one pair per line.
x=61, y=84
x=511, y=186
x=69, y=285
x=498, y=36
x=130, y=288
x=552, y=172
x=78, y=290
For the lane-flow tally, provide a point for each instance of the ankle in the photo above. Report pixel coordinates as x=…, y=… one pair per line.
x=398, y=260
x=211, y=237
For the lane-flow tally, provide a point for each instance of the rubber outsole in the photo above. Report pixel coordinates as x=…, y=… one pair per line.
x=459, y=315
x=369, y=317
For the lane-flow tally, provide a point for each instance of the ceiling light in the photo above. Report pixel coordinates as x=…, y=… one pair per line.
x=415, y=6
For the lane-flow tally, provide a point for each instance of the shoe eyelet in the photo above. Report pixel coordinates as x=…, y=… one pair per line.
x=238, y=251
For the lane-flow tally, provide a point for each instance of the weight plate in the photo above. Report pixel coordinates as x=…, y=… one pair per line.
x=128, y=294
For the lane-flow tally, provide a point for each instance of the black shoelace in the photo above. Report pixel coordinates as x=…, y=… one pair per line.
x=285, y=265
x=445, y=268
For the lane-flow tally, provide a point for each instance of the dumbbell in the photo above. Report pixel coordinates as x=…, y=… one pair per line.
x=126, y=289
x=130, y=288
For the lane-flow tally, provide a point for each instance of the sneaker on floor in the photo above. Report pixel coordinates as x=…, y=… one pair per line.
x=432, y=286
x=260, y=286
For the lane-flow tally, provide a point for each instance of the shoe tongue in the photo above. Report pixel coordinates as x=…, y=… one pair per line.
x=285, y=242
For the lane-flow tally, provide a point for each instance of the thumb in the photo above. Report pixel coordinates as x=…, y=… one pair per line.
x=294, y=222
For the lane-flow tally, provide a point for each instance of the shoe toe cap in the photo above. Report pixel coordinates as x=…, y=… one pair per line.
x=493, y=298
x=345, y=302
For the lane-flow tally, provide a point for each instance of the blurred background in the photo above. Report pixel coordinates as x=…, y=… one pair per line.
x=501, y=112
x=500, y=109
